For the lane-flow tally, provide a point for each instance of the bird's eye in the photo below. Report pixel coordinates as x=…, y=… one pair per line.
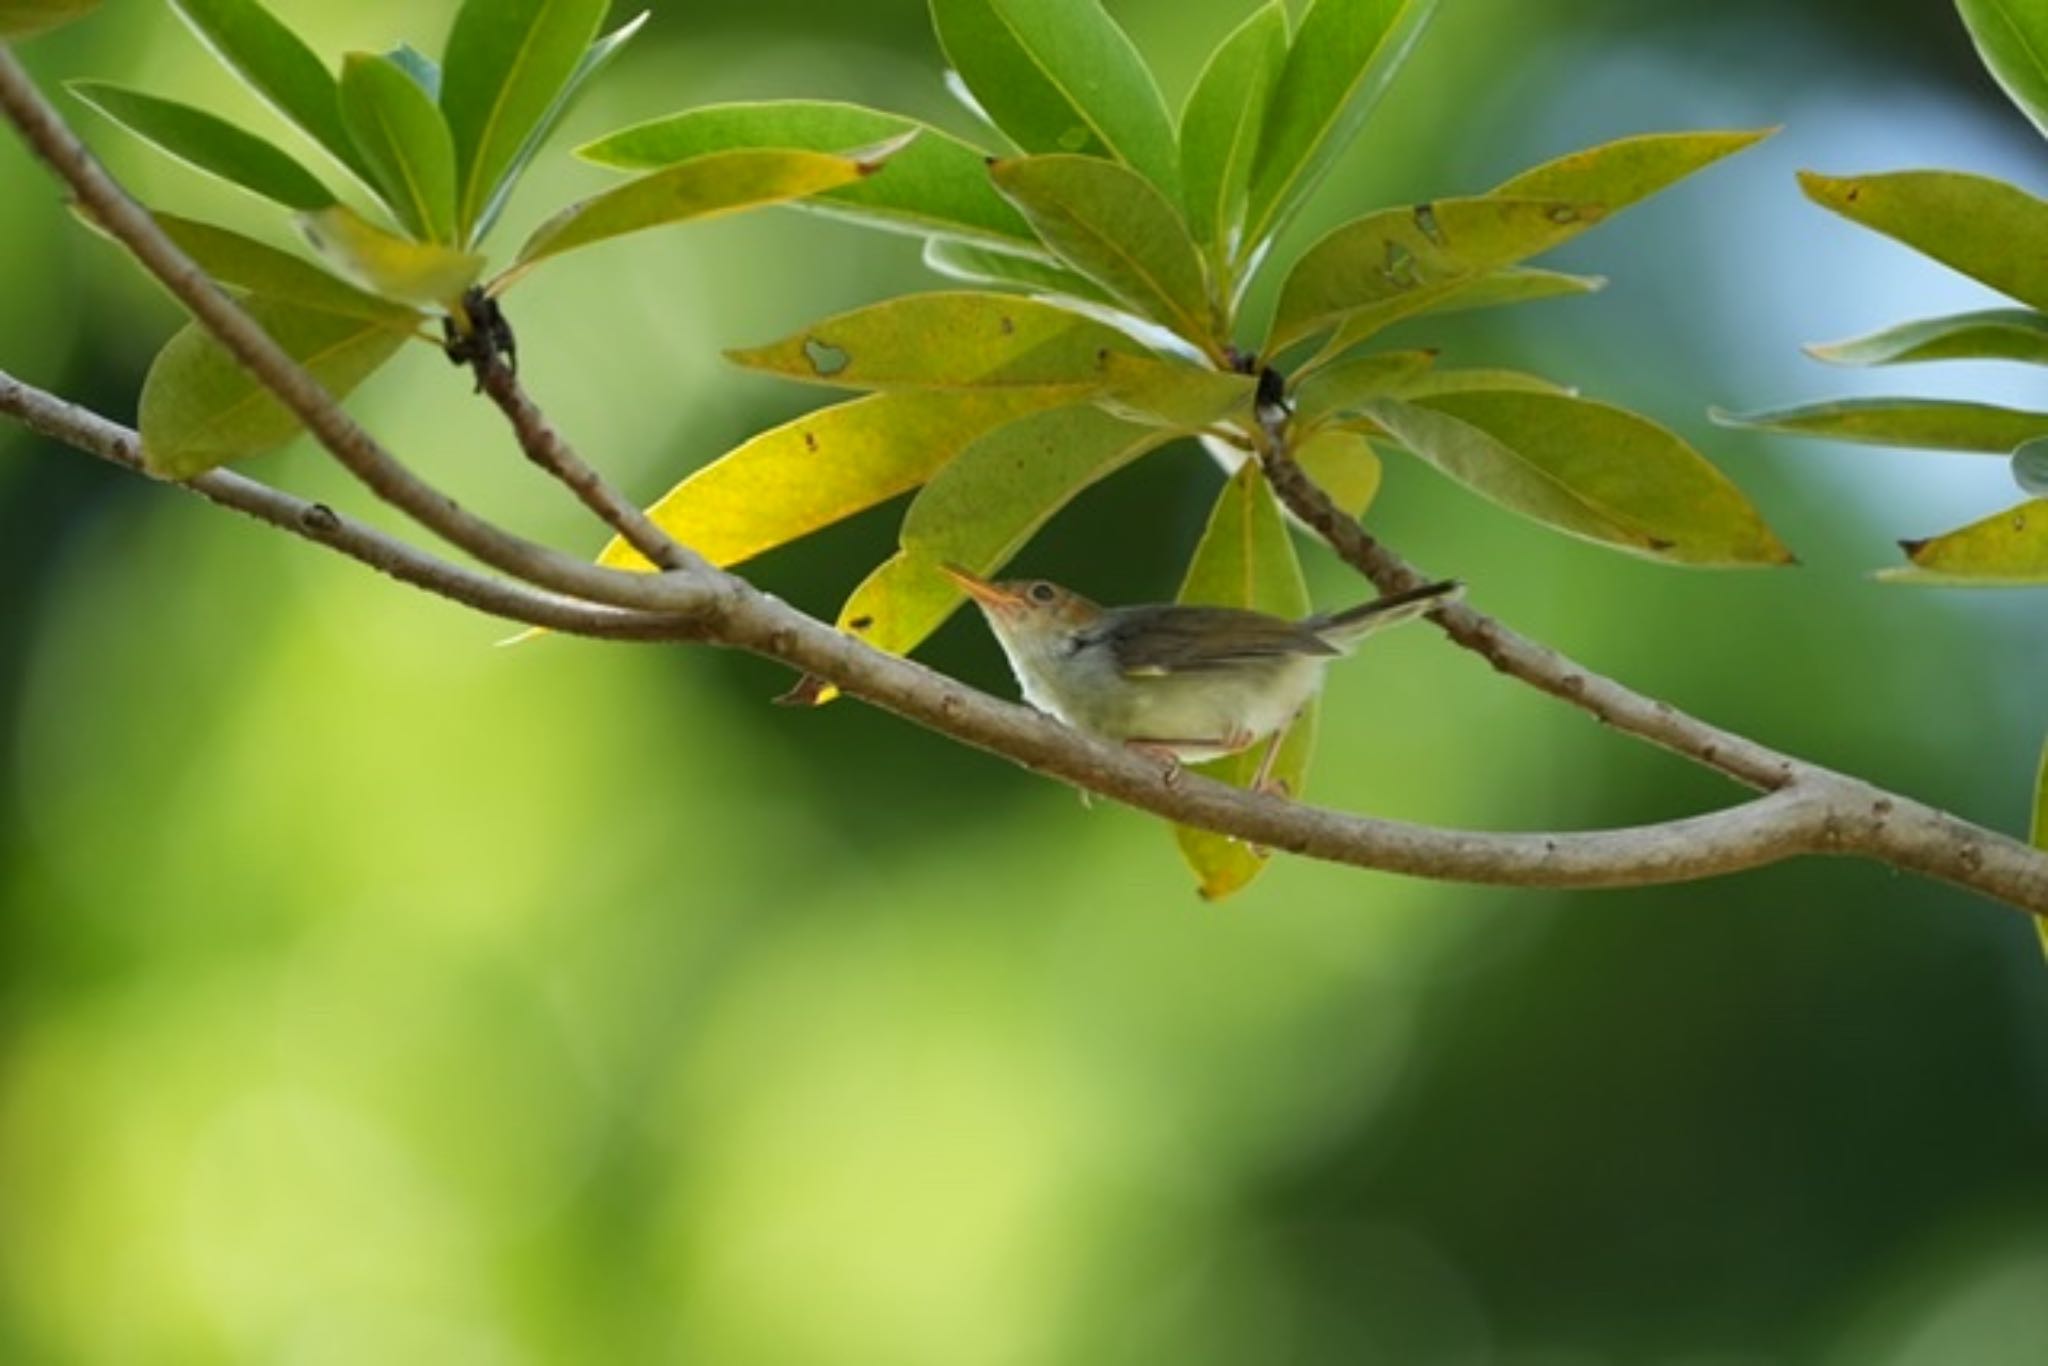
x=1042, y=592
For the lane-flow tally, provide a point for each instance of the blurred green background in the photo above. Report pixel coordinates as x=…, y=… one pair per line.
x=369, y=994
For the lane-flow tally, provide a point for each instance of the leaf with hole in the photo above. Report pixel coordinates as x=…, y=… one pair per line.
x=1967, y=222
x=1386, y=266
x=200, y=408
x=1246, y=558
x=702, y=187
x=2016, y=334
x=506, y=63
x=275, y=63
x=1339, y=64
x=209, y=144
x=1118, y=230
x=1060, y=76
x=1921, y=423
x=1219, y=128
x=821, y=468
x=404, y=141
x=936, y=186
x=980, y=510
x=1586, y=468
x=949, y=341
x=423, y=274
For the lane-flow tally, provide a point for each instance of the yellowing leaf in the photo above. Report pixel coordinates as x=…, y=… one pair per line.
x=823, y=467
x=1993, y=334
x=200, y=408
x=421, y=273
x=980, y=510
x=1967, y=222
x=1246, y=559
x=1628, y=170
x=2009, y=547
x=1345, y=466
x=957, y=340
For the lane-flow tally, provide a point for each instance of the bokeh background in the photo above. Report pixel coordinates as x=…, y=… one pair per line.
x=370, y=994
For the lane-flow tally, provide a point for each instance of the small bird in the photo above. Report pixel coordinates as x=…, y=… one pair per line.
x=1183, y=682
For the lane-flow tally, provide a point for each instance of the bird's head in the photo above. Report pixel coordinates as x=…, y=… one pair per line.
x=1025, y=610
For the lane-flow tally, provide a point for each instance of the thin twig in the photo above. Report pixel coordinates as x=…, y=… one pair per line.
x=89, y=432
x=50, y=138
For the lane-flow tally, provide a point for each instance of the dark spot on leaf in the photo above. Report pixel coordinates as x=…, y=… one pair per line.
x=861, y=623
x=1913, y=548
x=1426, y=224
x=1855, y=193
x=1400, y=270
x=810, y=441
x=825, y=358
x=1007, y=326
x=2019, y=521
x=1659, y=544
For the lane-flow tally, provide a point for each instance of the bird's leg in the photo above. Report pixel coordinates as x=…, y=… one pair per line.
x=1264, y=781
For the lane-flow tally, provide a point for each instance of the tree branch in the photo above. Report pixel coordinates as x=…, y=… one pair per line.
x=89, y=432
x=51, y=139
x=1806, y=810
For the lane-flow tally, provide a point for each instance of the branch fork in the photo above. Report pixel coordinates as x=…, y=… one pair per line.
x=1802, y=809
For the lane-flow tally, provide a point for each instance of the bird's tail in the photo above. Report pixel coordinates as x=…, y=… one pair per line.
x=1344, y=629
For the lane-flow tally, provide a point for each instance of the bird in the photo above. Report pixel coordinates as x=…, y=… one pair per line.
x=1185, y=683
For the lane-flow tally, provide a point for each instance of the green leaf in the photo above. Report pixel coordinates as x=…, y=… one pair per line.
x=1926, y=424
x=278, y=65
x=211, y=144
x=1616, y=174
x=1339, y=388
x=1345, y=466
x=404, y=141
x=1476, y=379
x=1967, y=222
x=1515, y=285
x=1994, y=334
x=1219, y=128
x=506, y=62
x=257, y=268
x=423, y=274
x=949, y=341
x=980, y=510
x=1246, y=559
x=825, y=466
x=1060, y=76
x=2009, y=547
x=937, y=186
x=1588, y=469
x=703, y=187
x=2012, y=38
x=1119, y=231
x=595, y=59
x=1376, y=270
x=200, y=408
x=26, y=18
x=984, y=266
x=1173, y=394
x=1338, y=66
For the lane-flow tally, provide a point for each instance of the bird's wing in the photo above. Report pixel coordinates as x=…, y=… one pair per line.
x=1151, y=641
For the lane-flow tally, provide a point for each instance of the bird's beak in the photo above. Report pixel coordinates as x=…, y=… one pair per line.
x=981, y=590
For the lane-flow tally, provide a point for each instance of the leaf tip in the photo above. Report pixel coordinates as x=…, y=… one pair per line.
x=1914, y=548
x=809, y=691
